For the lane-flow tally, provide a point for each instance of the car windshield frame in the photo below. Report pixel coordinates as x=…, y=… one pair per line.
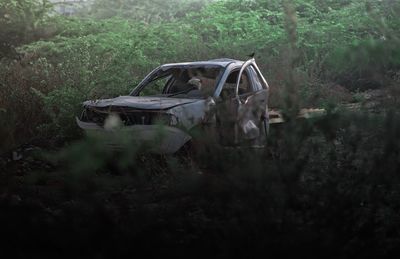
x=161, y=72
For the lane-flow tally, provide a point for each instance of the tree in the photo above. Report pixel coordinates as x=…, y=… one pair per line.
x=144, y=10
x=19, y=23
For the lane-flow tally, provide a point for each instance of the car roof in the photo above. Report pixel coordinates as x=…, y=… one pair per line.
x=222, y=62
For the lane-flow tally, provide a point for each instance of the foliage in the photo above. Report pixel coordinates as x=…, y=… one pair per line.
x=21, y=21
x=146, y=11
x=327, y=186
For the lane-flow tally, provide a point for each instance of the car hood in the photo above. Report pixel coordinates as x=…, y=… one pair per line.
x=142, y=103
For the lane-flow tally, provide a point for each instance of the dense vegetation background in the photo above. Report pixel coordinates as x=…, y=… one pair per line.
x=330, y=186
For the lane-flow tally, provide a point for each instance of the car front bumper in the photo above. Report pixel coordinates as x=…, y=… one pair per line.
x=158, y=139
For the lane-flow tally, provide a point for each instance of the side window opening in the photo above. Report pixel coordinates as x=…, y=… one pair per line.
x=245, y=86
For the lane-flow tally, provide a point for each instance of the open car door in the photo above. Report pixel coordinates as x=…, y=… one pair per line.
x=242, y=115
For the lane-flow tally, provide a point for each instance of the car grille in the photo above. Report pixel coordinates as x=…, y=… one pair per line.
x=128, y=118
x=134, y=118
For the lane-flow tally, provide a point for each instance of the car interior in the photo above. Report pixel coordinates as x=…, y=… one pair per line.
x=229, y=88
x=191, y=82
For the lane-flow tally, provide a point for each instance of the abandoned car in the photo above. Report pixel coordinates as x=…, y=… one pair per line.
x=225, y=98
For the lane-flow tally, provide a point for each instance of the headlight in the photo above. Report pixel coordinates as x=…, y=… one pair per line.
x=113, y=122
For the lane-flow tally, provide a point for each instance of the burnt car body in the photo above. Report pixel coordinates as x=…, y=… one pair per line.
x=226, y=98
